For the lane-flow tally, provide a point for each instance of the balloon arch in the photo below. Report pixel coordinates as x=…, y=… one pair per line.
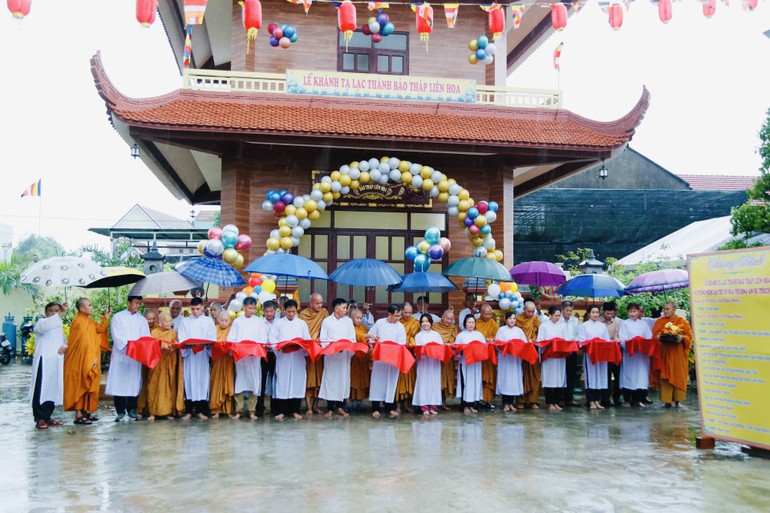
x=296, y=213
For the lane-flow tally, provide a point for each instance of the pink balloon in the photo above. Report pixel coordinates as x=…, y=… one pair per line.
x=215, y=232
x=482, y=207
x=278, y=33
x=445, y=244
x=377, y=37
x=284, y=42
x=244, y=242
x=473, y=229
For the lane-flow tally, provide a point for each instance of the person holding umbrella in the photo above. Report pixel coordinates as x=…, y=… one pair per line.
x=47, y=387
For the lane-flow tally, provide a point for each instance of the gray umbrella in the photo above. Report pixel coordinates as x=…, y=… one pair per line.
x=161, y=283
x=66, y=271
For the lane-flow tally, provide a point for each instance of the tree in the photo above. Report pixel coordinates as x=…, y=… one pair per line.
x=124, y=254
x=754, y=216
x=10, y=276
x=36, y=248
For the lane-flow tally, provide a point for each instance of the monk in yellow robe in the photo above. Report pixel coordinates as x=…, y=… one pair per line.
x=671, y=379
x=314, y=315
x=141, y=402
x=165, y=391
x=82, y=362
x=529, y=324
x=360, y=374
x=222, y=389
x=405, y=384
x=488, y=325
x=447, y=329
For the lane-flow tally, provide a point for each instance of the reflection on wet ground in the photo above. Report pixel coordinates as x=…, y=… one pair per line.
x=577, y=460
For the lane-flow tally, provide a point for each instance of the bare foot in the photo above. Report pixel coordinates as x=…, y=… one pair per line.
x=467, y=411
x=535, y=406
x=170, y=417
x=408, y=408
x=235, y=416
x=215, y=416
x=434, y=412
x=473, y=410
x=342, y=413
x=593, y=405
x=445, y=407
x=599, y=406
x=558, y=408
x=187, y=416
x=151, y=417
x=375, y=414
x=393, y=414
x=253, y=416
x=552, y=407
x=201, y=416
x=316, y=409
x=280, y=416
x=296, y=416
x=329, y=414
x=426, y=412
x=626, y=405
x=309, y=413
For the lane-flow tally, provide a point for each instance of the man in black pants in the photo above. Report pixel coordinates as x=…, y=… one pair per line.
x=48, y=366
x=268, y=367
x=610, y=309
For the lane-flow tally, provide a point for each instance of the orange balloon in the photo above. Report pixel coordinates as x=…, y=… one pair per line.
x=248, y=290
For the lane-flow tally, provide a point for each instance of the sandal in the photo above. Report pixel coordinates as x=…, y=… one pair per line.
x=83, y=421
x=54, y=423
x=41, y=424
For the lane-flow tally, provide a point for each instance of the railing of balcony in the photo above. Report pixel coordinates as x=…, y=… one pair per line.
x=214, y=80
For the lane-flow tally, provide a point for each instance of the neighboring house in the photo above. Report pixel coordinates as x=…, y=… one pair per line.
x=637, y=203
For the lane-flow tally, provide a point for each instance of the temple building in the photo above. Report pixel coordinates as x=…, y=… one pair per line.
x=249, y=118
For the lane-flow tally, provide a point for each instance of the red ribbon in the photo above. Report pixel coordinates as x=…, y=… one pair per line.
x=339, y=346
x=557, y=347
x=197, y=344
x=648, y=346
x=145, y=350
x=312, y=347
x=519, y=348
x=394, y=354
x=477, y=351
x=246, y=348
x=601, y=350
x=434, y=350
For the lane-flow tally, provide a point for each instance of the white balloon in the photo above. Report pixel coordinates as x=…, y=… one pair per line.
x=374, y=27
x=417, y=181
x=254, y=295
x=264, y=297
x=452, y=211
x=292, y=221
x=490, y=49
x=488, y=60
x=275, y=234
x=345, y=190
x=505, y=304
x=297, y=232
x=489, y=243
x=454, y=189
x=375, y=175
x=294, y=242
x=235, y=305
x=280, y=251
x=452, y=201
x=395, y=175
x=321, y=205
x=327, y=179
x=299, y=201
x=374, y=164
x=364, y=165
x=270, y=252
x=436, y=176
x=215, y=247
x=267, y=206
x=305, y=223
x=493, y=290
x=434, y=191
x=355, y=173
x=384, y=179
x=345, y=169
x=316, y=194
x=491, y=216
x=336, y=186
x=231, y=228
x=480, y=252
x=240, y=296
x=394, y=163
x=384, y=167
x=415, y=168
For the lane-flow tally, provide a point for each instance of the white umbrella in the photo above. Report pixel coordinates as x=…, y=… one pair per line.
x=64, y=271
x=160, y=283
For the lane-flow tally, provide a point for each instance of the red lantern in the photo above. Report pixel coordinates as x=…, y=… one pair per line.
x=709, y=8
x=558, y=16
x=664, y=10
x=346, y=19
x=145, y=12
x=252, y=20
x=496, y=19
x=19, y=8
x=616, y=16
x=424, y=21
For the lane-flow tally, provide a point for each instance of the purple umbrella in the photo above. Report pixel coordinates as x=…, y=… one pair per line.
x=659, y=281
x=539, y=274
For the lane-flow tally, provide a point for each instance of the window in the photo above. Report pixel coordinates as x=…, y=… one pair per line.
x=388, y=57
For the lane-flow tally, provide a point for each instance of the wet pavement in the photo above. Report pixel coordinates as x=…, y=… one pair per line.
x=577, y=460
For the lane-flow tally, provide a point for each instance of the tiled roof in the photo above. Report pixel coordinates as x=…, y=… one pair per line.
x=351, y=118
x=719, y=182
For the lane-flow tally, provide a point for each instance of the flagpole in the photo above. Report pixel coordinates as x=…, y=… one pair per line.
x=39, y=214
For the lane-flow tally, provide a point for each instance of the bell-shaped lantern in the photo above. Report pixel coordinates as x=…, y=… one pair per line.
x=664, y=10
x=145, y=12
x=616, y=16
x=558, y=16
x=252, y=20
x=496, y=19
x=346, y=19
x=19, y=8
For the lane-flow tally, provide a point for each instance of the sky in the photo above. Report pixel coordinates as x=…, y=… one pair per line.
x=709, y=82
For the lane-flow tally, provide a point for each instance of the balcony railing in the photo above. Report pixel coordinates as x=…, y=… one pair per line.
x=248, y=82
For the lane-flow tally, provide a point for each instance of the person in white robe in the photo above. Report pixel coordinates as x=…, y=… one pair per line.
x=196, y=365
x=335, y=382
x=248, y=370
x=427, y=385
x=595, y=373
x=472, y=306
x=469, y=383
x=124, y=380
x=634, y=370
x=510, y=379
x=290, y=371
x=270, y=317
x=572, y=362
x=382, y=387
x=554, y=370
x=46, y=389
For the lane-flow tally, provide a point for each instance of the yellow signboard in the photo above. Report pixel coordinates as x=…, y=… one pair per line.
x=369, y=85
x=730, y=299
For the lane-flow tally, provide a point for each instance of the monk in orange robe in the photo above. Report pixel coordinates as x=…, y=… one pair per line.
x=82, y=362
x=360, y=374
x=314, y=315
x=165, y=391
x=671, y=379
x=141, y=402
x=529, y=324
x=405, y=384
x=222, y=388
x=447, y=329
x=488, y=325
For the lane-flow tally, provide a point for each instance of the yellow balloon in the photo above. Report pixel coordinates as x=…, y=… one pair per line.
x=281, y=221
x=354, y=185
x=443, y=185
x=240, y=313
x=426, y=171
x=406, y=177
x=491, y=255
x=498, y=255
x=480, y=220
x=238, y=261
x=290, y=210
x=273, y=243
x=286, y=243
x=284, y=231
x=328, y=197
x=345, y=180
x=463, y=206
x=233, y=315
x=451, y=181
x=315, y=214
x=403, y=166
x=229, y=255
x=514, y=287
x=427, y=184
x=473, y=45
x=335, y=176
x=443, y=196
x=477, y=241
x=461, y=217
x=336, y=195
x=471, y=202
x=325, y=187
x=473, y=59
x=460, y=222
x=310, y=205
x=423, y=246
x=268, y=286
x=201, y=245
x=384, y=160
x=364, y=178
x=463, y=194
x=301, y=213
x=316, y=186
x=354, y=164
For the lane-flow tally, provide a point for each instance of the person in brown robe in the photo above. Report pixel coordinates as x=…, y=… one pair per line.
x=447, y=329
x=360, y=371
x=165, y=391
x=671, y=379
x=529, y=324
x=488, y=325
x=314, y=315
x=222, y=387
x=405, y=385
x=82, y=362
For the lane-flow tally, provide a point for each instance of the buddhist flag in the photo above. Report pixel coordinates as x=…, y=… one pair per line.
x=518, y=13
x=305, y=3
x=489, y=7
x=557, y=56
x=451, y=10
x=577, y=6
x=194, y=11
x=33, y=190
x=373, y=6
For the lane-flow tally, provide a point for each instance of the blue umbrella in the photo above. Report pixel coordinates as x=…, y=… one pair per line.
x=592, y=285
x=424, y=282
x=211, y=270
x=287, y=264
x=365, y=272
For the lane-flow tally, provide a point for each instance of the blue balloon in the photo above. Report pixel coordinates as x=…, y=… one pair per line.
x=432, y=235
x=483, y=42
x=229, y=239
x=268, y=193
x=289, y=31
x=388, y=29
x=501, y=295
x=257, y=289
x=421, y=263
x=485, y=230
x=481, y=54
x=274, y=196
x=473, y=212
x=411, y=252
x=283, y=27
x=293, y=38
x=287, y=198
x=493, y=206
x=383, y=18
x=282, y=192
x=436, y=252
x=468, y=221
